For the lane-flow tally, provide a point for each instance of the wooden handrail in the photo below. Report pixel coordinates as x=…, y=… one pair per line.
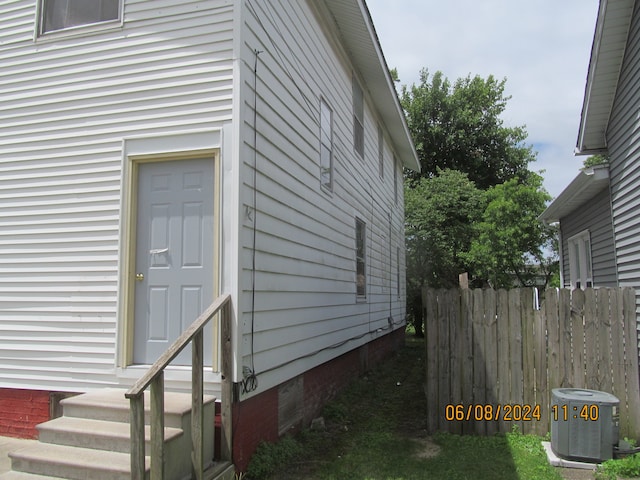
x=154, y=377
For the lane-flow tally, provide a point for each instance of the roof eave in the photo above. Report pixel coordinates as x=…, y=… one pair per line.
x=361, y=40
x=607, y=54
x=587, y=184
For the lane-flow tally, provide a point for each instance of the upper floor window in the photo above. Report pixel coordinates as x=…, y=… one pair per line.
x=580, y=271
x=380, y=152
x=358, y=118
x=61, y=14
x=361, y=263
x=326, y=146
x=395, y=179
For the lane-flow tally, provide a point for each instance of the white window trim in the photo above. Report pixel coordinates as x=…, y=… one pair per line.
x=77, y=30
x=580, y=262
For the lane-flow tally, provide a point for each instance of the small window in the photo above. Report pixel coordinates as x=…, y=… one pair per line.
x=380, y=152
x=361, y=275
x=61, y=14
x=398, y=271
x=358, y=118
x=326, y=146
x=395, y=179
x=580, y=270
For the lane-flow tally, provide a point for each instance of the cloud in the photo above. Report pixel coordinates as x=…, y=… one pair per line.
x=542, y=48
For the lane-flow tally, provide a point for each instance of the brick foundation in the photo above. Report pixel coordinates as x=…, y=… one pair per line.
x=256, y=420
x=21, y=411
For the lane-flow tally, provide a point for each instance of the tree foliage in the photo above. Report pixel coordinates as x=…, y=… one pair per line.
x=509, y=243
x=458, y=126
x=474, y=208
x=440, y=213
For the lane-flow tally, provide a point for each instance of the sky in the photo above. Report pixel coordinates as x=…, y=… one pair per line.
x=541, y=47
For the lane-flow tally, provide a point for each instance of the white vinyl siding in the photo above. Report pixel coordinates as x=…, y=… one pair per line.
x=65, y=108
x=306, y=293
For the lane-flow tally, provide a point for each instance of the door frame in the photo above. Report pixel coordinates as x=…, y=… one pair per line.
x=129, y=241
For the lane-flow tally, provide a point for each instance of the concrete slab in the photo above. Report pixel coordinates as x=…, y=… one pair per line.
x=561, y=462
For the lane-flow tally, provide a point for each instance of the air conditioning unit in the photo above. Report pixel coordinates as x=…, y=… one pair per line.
x=584, y=424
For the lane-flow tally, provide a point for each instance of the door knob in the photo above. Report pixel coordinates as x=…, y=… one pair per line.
x=139, y=277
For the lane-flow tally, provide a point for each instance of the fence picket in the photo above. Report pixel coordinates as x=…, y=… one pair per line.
x=444, y=375
x=577, y=339
x=516, y=396
x=564, y=338
x=631, y=362
x=429, y=302
x=479, y=354
x=528, y=365
x=466, y=337
x=455, y=334
x=590, y=338
x=488, y=348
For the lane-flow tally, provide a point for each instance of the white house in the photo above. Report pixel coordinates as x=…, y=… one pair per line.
x=156, y=154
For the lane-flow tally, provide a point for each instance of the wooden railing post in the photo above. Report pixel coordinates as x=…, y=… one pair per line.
x=137, y=437
x=197, y=416
x=226, y=387
x=157, y=427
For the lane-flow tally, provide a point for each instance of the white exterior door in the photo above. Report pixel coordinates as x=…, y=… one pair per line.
x=174, y=255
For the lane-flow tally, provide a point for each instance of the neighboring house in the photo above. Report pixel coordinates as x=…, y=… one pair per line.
x=598, y=212
x=155, y=154
x=583, y=211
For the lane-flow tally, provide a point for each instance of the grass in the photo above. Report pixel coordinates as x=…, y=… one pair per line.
x=622, y=468
x=375, y=430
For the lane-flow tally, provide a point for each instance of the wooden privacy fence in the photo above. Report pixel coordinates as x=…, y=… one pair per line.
x=492, y=359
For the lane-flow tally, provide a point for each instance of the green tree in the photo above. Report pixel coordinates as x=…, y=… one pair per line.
x=458, y=126
x=439, y=216
x=510, y=246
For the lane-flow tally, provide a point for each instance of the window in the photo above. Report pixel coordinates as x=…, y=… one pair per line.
x=380, y=152
x=580, y=271
x=361, y=275
x=398, y=271
x=61, y=14
x=326, y=146
x=358, y=118
x=395, y=179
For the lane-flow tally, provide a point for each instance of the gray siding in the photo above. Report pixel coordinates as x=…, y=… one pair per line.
x=623, y=138
x=595, y=216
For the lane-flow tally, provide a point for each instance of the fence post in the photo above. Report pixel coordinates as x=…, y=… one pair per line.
x=479, y=357
x=540, y=362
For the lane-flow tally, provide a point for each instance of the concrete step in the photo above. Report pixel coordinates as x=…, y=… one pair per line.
x=111, y=405
x=25, y=476
x=96, y=434
x=72, y=462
